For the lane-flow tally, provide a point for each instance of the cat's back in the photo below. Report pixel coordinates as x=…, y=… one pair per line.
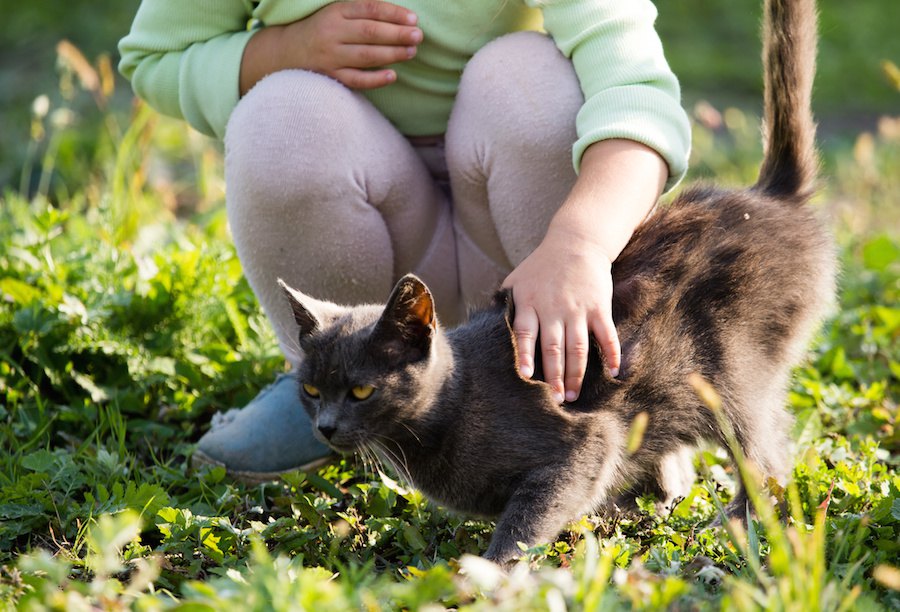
x=728, y=284
x=754, y=265
x=504, y=418
x=486, y=357
x=730, y=260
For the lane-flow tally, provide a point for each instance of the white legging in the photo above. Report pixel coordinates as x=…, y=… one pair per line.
x=325, y=193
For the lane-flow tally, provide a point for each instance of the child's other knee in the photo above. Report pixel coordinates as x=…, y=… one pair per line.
x=512, y=53
x=290, y=104
x=520, y=89
x=288, y=137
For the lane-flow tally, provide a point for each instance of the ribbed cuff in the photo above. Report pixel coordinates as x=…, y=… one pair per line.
x=642, y=114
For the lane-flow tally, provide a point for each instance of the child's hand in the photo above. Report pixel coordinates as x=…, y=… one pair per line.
x=564, y=289
x=343, y=40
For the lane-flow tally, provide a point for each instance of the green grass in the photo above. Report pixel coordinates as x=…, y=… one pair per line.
x=125, y=323
x=714, y=49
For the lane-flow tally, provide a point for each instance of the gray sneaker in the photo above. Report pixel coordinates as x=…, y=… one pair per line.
x=269, y=436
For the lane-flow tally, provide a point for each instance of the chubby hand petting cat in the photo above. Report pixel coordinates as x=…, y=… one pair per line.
x=727, y=284
x=563, y=290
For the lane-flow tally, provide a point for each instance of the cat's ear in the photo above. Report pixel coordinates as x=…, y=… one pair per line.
x=310, y=314
x=406, y=327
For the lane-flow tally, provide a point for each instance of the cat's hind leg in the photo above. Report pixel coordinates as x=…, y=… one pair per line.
x=669, y=479
x=763, y=435
x=675, y=476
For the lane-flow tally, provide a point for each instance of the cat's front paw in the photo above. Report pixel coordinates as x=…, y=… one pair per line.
x=506, y=556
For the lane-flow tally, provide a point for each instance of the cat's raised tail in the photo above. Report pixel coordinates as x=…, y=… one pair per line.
x=789, y=60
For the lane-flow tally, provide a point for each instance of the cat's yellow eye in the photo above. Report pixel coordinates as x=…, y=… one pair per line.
x=362, y=392
x=310, y=390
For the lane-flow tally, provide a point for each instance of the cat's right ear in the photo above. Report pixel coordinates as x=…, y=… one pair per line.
x=407, y=325
x=304, y=309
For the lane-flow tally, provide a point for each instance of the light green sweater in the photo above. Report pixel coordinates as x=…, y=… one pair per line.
x=183, y=57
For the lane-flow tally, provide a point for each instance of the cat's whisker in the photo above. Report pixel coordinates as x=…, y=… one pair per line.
x=294, y=346
x=383, y=454
x=361, y=452
x=408, y=428
x=378, y=462
x=365, y=454
x=369, y=460
x=378, y=451
x=404, y=464
x=370, y=457
x=398, y=462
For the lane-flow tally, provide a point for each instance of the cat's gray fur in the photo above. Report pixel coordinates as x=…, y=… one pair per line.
x=725, y=283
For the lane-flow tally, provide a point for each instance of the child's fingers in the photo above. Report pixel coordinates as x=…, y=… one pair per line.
x=604, y=331
x=577, y=346
x=355, y=78
x=552, y=337
x=525, y=328
x=373, y=56
x=370, y=32
x=378, y=11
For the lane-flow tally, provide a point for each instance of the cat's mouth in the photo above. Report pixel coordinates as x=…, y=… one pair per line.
x=344, y=449
x=339, y=443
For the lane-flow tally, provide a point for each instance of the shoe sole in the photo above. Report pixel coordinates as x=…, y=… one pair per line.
x=201, y=459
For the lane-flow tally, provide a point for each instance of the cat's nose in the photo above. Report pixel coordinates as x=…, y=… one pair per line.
x=327, y=430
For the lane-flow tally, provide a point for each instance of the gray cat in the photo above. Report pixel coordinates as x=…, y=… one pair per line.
x=728, y=284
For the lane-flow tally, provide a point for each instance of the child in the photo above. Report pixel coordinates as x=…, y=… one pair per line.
x=365, y=140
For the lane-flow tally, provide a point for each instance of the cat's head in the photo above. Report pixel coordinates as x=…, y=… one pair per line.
x=366, y=369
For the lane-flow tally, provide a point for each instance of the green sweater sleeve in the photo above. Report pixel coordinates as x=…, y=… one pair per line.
x=184, y=57
x=630, y=92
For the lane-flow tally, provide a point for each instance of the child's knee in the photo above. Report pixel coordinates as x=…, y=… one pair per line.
x=520, y=90
x=287, y=137
x=291, y=103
